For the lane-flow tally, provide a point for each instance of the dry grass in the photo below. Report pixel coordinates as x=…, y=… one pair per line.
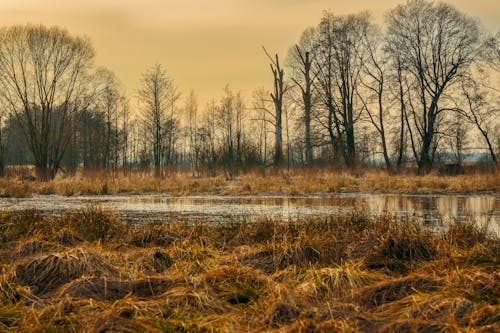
x=49, y=272
x=102, y=288
x=397, y=289
x=295, y=182
x=88, y=272
x=339, y=280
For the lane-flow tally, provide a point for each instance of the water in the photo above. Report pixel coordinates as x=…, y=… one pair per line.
x=432, y=209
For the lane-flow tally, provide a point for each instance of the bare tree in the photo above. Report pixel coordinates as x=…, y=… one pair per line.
x=229, y=116
x=341, y=55
x=207, y=137
x=279, y=90
x=481, y=112
x=125, y=116
x=301, y=60
x=42, y=76
x=191, y=108
x=436, y=44
x=399, y=80
x=374, y=81
x=455, y=136
x=263, y=107
x=157, y=94
x=107, y=98
x=172, y=126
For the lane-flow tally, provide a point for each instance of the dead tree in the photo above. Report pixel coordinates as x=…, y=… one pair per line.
x=279, y=90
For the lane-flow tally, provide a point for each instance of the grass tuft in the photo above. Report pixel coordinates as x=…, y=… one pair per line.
x=49, y=272
x=393, y=290
x=341, y=280
x=102, y=288
x=236, y=285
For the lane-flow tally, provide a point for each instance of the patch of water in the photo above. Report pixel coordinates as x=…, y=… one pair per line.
x=483, y=209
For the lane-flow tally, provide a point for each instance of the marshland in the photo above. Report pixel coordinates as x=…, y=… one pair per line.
x=87, y=271
x=249, y=166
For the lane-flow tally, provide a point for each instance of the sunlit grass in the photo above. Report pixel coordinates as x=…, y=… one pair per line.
x=88, y=271
x=295, y=182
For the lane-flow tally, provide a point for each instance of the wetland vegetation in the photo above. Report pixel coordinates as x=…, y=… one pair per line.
x=87, y=271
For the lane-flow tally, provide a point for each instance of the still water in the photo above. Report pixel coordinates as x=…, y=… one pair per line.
x=484, y=209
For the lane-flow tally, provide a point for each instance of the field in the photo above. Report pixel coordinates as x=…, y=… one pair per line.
x=86, y=271
x=296, y=182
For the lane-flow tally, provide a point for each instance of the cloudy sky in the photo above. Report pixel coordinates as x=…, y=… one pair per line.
x=204, y=44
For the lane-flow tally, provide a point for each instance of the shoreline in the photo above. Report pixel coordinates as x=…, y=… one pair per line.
x=296, y=184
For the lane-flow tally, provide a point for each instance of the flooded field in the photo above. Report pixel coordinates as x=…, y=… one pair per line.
x=136, y=209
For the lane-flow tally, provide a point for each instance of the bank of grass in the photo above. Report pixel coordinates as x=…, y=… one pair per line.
x=86, y=271
x=296, y=182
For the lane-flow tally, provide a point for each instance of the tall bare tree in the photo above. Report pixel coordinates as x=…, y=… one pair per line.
x=125, y=118
x=107, y=100
x=374, y=81
x=399, y=79
x=301, y=60
x=481, y=112
x=207, y=138
x=436, y=44
x=263, y=105
x=157, y=94
x=229, y=116
x=191, y=109
x=42, y=78
x=341, y=55
x=279, y=90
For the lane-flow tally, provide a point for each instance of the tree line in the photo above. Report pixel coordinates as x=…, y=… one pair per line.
x=419, y=89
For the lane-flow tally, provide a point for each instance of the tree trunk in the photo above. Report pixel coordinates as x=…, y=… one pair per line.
x=402, y=129
x=278, y=148
x=307, y=138
x=426, y=155
x=382, y=132
x=43, y=173
x=307, y=97
x=351, y=147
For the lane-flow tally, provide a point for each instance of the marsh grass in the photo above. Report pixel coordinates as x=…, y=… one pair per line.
x=49, y=272
x=86, y=271
x=295, y=182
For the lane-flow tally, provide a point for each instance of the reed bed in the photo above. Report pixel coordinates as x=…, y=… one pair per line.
x=295, y=182
x=86, y=271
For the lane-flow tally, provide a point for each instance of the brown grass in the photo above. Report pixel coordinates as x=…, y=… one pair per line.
x=102, y=288
x=396, y=289
x=295, y=182
x=87, y=271
x=49, y=272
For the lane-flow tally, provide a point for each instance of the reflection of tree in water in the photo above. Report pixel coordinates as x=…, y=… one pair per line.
x=448, y=207
x=219, y=208
x=427, y=211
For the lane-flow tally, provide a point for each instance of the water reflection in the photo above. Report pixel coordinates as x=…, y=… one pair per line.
x=431, y=208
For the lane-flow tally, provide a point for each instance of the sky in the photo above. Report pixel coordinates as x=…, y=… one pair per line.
x=203, y=44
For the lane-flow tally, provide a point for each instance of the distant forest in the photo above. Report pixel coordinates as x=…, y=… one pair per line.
x=421, y=90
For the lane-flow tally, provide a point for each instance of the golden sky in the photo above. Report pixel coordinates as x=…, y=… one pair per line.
x=204, y=44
